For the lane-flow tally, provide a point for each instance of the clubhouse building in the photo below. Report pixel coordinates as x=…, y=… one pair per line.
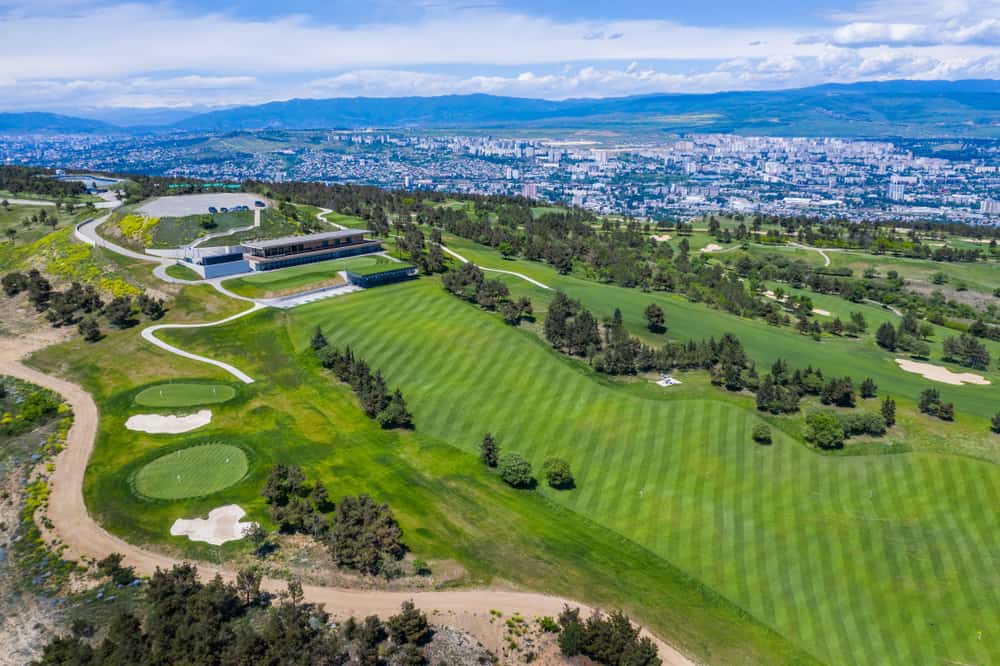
x=265, y=255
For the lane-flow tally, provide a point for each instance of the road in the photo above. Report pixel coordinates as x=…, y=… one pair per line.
x=86, y=540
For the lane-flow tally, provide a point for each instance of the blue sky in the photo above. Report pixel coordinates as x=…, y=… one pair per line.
x=67, y=55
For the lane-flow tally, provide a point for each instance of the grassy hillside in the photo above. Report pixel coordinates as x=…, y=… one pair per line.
x=686, y=320
x=871, y=559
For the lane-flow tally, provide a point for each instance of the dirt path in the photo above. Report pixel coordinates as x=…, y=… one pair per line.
x=85, y=539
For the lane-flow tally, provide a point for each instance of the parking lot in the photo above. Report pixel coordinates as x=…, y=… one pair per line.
x=196, y=204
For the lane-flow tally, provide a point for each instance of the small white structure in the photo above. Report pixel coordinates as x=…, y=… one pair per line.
x=667, y=380
x=223, y=524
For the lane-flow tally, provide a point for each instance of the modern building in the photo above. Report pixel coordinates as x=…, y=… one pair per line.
x=381, y=273
x=265, y=255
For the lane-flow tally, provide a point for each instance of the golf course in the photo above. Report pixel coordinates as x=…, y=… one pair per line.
x=732, y=551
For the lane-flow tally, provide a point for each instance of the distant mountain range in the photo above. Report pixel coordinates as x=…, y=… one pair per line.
x=876, y=109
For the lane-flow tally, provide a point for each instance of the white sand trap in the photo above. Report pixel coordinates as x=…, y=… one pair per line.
x=158, y=424
x=711, y=247
x=821, y=311
x=223, y=524
x=938, y=374
x=660, y=238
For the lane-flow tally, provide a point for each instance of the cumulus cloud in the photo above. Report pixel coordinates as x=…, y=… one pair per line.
x=61, y=53
x=917, y=23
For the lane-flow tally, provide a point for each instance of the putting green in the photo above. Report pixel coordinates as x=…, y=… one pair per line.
x=192, y=472
x=184, y=395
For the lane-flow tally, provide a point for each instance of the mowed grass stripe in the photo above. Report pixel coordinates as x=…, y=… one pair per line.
x=811, y=542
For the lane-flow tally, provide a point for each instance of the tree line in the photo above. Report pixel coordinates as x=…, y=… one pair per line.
x=359, y=533
x=387, y=408
x=36, y=180
x=181, y=620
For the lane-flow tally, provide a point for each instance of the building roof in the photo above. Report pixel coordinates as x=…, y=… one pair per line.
x=307, y=238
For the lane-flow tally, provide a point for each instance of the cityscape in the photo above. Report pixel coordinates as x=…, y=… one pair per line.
x=654, y=178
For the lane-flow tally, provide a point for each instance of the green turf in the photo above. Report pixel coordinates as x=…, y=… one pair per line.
x=472, y=528
x=183, y=394
x=299, y=278
x=195, y=471
x=172, y=232
x=182, y=272
x=686, y=320
x=865, y=559
x=854, y=558
x=381, y=267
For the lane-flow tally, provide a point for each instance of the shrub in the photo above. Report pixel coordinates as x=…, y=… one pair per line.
x=515, y=470
x=865, y=423
x=557, y=473
x=762, y=433
x=823, y=429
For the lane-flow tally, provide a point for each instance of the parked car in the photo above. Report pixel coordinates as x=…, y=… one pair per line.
x=213, y=209
x=259, y=204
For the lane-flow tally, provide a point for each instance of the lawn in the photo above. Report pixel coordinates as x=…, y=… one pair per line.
x=194, y=471
x=450, y=508
x=184, y=394
x=173, y=232
x=856, y=559
x=283, y=281
x=685, y=320
x=182, y=272
x=272, y=225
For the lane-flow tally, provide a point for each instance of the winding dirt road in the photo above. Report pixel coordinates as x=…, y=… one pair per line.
x=85, y=539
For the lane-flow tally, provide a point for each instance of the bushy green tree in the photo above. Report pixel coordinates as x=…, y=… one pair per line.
x=557, y=473
x=761, y=433
x=823, y=429
x=515, y=470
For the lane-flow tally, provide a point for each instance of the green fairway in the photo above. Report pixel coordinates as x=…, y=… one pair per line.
x=192, y=472
x=847, y=558
x=283, y=281
x=182, y=394
x=880, y=559
x=687, y=320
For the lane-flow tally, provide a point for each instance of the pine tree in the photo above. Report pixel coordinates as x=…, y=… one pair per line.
x=889, y=411
x=489, y=450
x=318, y=340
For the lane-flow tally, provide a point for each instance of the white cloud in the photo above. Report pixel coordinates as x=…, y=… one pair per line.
x=76, y=53
x=920, y=23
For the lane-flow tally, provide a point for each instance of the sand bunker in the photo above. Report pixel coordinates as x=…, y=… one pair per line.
x=821, y=311
x=223, y=524
x=939, y=374
x=711, y=247
x=660, y=238
x=158, y=424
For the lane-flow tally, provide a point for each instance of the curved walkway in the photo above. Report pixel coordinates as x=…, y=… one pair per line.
x=149, y=334
x=822, y=253
x=496, y=270
x=85, y=539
